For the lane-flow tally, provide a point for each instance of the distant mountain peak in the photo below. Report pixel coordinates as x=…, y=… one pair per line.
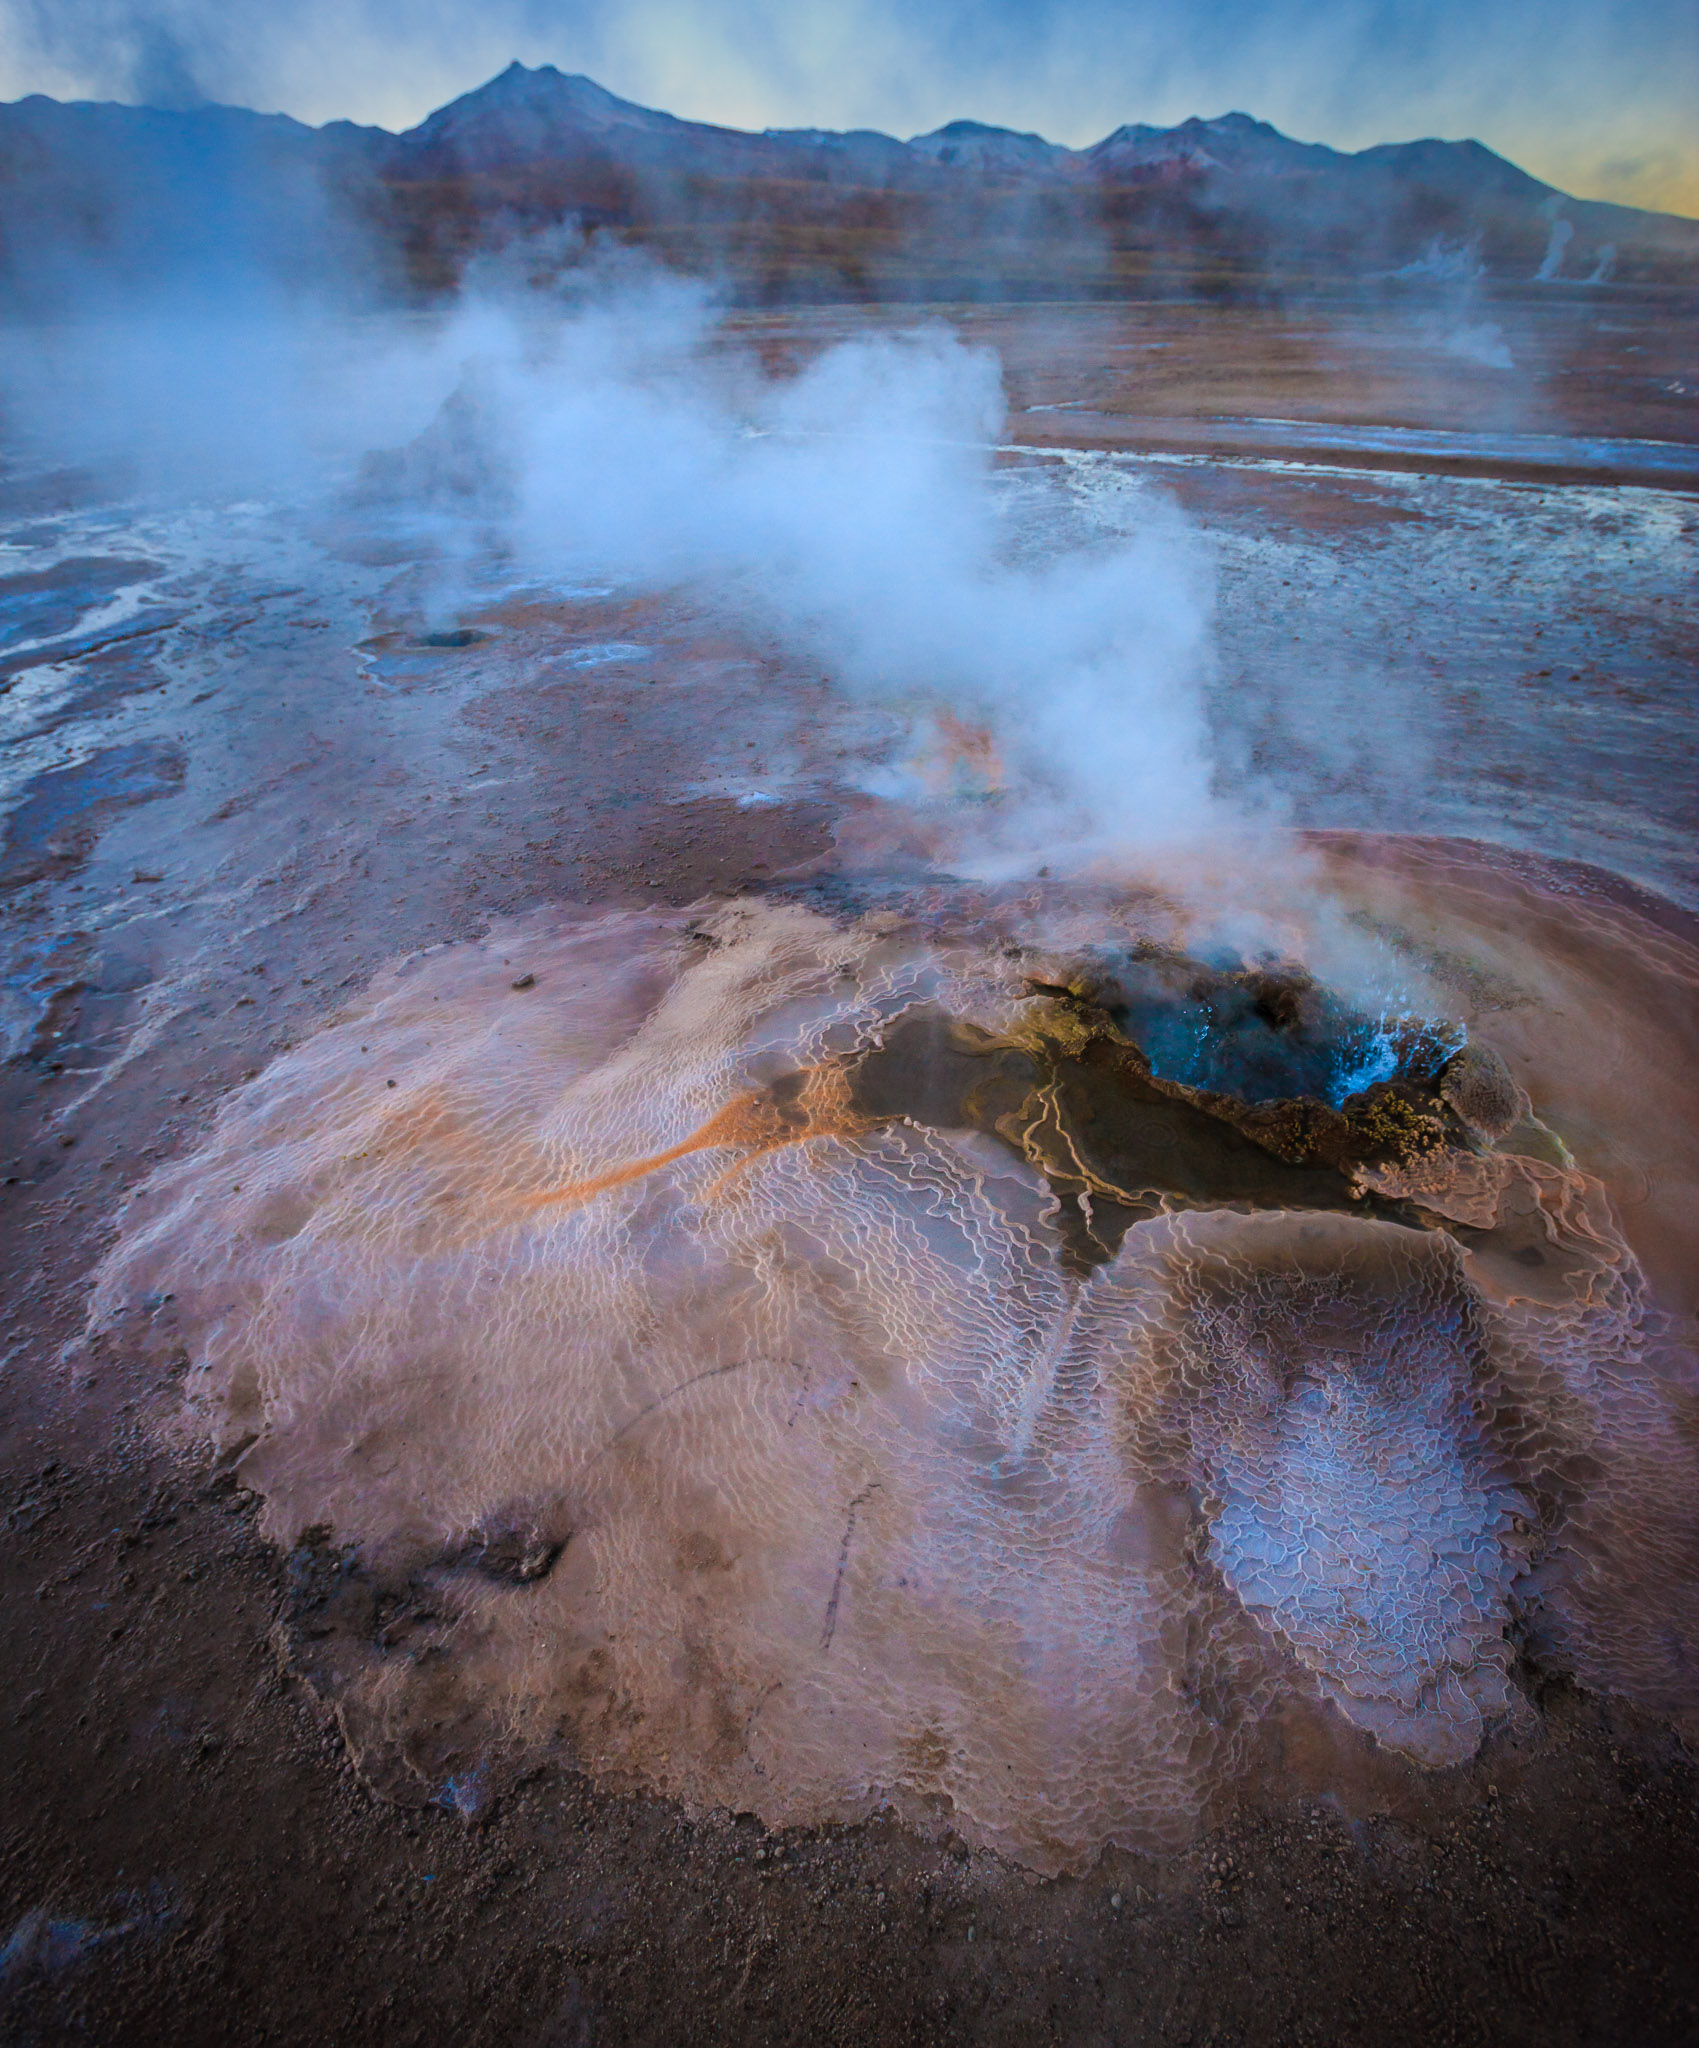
x=978, y=145
x=959, y=131
x=525, y=111
x=1244, y=124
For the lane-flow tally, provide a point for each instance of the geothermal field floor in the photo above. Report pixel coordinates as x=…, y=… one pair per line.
x=260, y=747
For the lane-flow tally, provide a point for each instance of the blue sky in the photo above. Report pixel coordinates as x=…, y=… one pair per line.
x=1598, y=96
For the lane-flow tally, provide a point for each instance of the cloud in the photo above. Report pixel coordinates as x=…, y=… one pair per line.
x=1663, y=178
x=1568, y=88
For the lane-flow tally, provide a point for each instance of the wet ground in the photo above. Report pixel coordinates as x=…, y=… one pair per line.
x=249, y=760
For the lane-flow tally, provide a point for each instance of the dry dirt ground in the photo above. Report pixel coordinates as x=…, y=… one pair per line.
x=1464, y=362
x=250, y=810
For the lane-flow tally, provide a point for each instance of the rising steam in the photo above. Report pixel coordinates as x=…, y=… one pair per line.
x=851, y=508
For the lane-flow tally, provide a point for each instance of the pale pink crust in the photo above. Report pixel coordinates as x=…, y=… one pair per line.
x=776, y=1462
x=1462, y=1187
x=1588, y=987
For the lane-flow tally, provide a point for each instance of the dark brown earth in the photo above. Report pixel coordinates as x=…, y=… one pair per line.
x=1200, y=376
x=185, y=1854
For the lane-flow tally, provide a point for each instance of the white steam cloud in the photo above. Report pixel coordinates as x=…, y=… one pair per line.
x=853, y=510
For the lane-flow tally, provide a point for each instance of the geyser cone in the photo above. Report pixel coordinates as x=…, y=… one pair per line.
x=806, y=1364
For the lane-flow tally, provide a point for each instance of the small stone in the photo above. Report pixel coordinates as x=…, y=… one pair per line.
x=1115, y=1902
x=526, y=981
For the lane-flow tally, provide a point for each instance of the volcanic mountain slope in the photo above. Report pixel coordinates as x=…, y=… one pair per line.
x=523, y=118
x=1001, y=152
x=99, y=198
x=966, y=209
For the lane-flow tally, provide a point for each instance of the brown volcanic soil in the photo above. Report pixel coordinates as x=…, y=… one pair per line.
x=1200, y=377
x=185, y=1855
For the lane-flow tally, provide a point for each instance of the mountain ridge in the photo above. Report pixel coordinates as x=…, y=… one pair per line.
x=527, y=102
x=967, y=207
x=980, y=145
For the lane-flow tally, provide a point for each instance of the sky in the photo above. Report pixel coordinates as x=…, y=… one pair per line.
x=1598, y=97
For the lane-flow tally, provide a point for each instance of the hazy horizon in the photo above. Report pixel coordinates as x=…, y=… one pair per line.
x=1596, y=104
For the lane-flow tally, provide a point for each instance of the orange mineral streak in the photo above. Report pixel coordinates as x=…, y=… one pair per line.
x=752, y=1123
